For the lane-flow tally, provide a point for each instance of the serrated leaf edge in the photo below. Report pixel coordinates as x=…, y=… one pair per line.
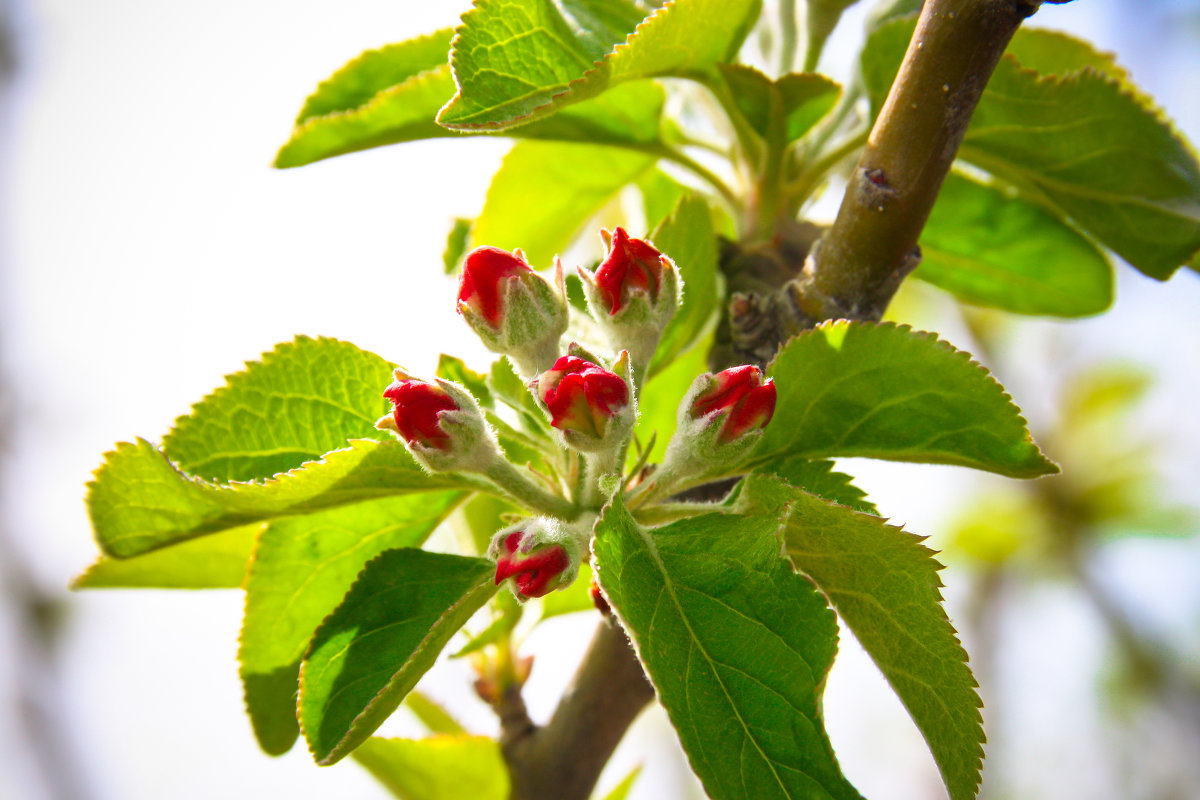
x=915, y=541
x=962, y=355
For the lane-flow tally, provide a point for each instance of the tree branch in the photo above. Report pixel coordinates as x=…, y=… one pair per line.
x=858, y=265
x=564, y=758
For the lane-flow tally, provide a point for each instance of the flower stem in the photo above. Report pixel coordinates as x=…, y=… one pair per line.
x=513, y=483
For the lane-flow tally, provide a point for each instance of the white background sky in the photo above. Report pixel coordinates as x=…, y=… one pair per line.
x=148, y=249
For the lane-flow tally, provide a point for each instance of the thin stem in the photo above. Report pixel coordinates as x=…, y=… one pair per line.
x=799, y=190
x=512, y=482
x=662, y=513
x=787, y=36
x=700, y=171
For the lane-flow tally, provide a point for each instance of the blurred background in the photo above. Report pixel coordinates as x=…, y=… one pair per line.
x=147, y=249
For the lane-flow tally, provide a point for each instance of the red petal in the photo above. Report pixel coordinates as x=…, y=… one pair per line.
x=485, y=272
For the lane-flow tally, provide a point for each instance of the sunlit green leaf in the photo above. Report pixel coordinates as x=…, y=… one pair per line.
x=140, y=501
x=887, y=391
x=370, y=652
x=692, y=596
x=884, y=584
x=519, y=60
x=659, y=402
x=993, y=248
x=456, y=244
x=303, y=566
x=301, y=400
x=438, y=768
x=801, y=99
x=687, y=236
x=544, y=192
x=212, y=562
x=435, y=718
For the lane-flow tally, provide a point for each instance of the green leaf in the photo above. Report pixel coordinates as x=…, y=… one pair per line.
x=1086, y=142
x=139, y=501
x=801, y=98
x=439, y=768
x=402, y=113
x=1056, y=53
x=214, y=562
x=544, y=191
x=660, y=196
x=574, y=598
x=511, y=57
x=303, y=567
x=456, y=244
x=455, y=369
x=736, y=645
x=887, y=391
x=375, y=71
x=659, y=401
x=819, y=478
x=992, y=248
x=435, y=718
x=520, y=60
x=303, y=399
x=622, y=789
x=687, y=236
x=628, y=116
x=385, y=635
x=884, y=583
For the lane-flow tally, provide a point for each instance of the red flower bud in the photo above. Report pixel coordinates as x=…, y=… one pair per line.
x=485, y=274
x=417, y=406
x=741, y=397
x=631, y=267
x=581, y=396
x=536, y=573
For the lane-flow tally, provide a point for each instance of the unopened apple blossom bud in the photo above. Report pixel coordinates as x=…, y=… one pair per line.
x=440, y=423
x=721, y=419
x=590, y=406
x=632, y=294
x=539, y=554
x=512, y=309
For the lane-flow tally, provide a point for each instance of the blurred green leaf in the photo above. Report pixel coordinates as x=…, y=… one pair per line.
x=802, y=99
x=212, y=562
x=302, y=568
x=660, y=196
x=574, y=598
x=438, y=768
x=435, y=718
x=622, y=789
x=371, y=651
x=659, y=401
x=887, y=391
x=884, y=584
x=545, y=191
x=456, y=244
x=994, y=249
x=687, y=236
x=736, y=644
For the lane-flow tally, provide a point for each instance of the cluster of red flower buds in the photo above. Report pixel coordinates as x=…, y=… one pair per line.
x=590, y=401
